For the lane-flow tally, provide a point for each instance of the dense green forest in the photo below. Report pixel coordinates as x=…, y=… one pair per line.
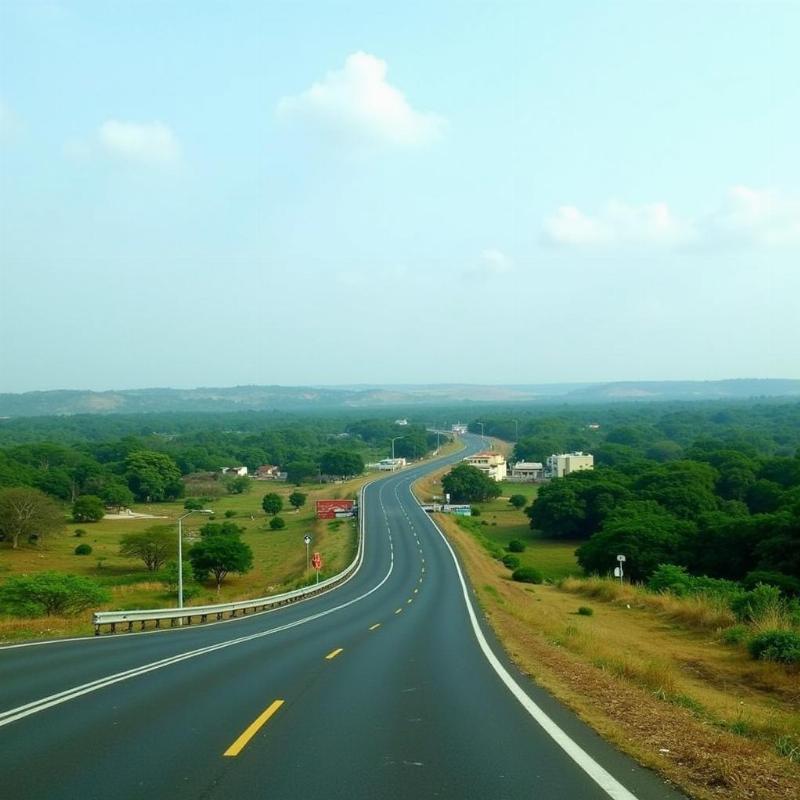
x=145, y=457
x=712, y=488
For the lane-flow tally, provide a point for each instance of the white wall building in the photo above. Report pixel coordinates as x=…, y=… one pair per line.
x=390, y=464
x=561, y=464
x=526, y=472
x=240, y=472
x=458, y=428
x=493, y=464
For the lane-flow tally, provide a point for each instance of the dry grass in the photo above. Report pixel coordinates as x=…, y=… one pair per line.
x=653, y=678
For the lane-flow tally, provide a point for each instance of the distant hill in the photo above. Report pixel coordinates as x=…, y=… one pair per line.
x=309, y=398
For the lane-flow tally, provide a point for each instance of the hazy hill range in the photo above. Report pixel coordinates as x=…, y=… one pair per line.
x=300, y=398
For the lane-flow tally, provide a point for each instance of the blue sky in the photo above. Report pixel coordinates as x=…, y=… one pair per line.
x=314, y=193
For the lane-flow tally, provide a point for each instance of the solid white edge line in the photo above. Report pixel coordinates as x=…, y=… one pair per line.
x=604, y=779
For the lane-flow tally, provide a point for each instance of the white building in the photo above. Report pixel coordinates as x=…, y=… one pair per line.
x=458, y=428
x=401, y=422
x=493, y=464
x=240, y=472
x=561, y=464
x=390, y=464
x=526, y=472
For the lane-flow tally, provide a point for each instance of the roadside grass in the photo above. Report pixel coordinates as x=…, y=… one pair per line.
x=649, y=672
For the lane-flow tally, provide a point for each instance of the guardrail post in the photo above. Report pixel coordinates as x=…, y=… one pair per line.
x=130, y=625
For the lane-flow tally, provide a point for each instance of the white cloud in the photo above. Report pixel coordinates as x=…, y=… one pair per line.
x=358, y=105
x=148, y=143
x=491, y=264
x=750, y=217
x=617, y=225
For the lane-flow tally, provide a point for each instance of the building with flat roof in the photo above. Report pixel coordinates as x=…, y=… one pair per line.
x=561, y=464
x=526, y=472
x=493, y=464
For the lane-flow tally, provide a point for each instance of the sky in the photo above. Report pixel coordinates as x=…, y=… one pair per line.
x=223, y=193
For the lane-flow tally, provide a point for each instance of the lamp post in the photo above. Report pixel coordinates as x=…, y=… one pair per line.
x=483, y=441
x=180, y=548
x=516, y=430
x=394, y=439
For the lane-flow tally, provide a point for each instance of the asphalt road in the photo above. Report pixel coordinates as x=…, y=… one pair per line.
x=387, y=687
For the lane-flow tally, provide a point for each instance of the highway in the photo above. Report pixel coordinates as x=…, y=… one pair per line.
x=387, y=687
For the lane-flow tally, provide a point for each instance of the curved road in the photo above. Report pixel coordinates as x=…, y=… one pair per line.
x=384, y=688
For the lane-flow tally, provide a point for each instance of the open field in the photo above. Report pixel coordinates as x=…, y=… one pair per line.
x=279, y=557
x=648, y=676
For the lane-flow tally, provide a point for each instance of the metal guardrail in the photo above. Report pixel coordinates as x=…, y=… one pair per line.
x=218, y=611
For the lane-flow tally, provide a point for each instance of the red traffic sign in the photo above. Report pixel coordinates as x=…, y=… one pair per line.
x=316, y=561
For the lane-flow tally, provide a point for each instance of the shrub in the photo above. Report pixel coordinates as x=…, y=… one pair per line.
x=88, y=508
x=788, y=584
x=512, y=562
x=516, y=546
x=527, y=575
x=518, y=500
x=83, y=550
x=230, y=513
x=49, y=593
x=277, y=523
x=736, y=634
x=193, y=504
x=585, y=611
x=475, y=512
x=670, y=578
x=781, y=646
x=79, y=532
x=758, y=603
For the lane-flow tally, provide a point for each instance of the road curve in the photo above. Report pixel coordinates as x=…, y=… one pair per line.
x=379, y=689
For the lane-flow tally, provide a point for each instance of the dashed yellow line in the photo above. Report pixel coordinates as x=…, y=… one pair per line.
x=334, y=653
x=252, y=729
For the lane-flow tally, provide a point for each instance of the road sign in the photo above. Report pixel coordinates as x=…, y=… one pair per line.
x=307, y=539
x=617, y=572
x=316, y=561
x=620, y=559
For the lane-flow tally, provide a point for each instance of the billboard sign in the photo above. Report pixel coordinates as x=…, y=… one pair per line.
x=330, y=509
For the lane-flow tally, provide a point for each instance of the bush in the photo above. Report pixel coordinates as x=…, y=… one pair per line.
x=79, y=532
x=475, y=512
x=756, y=604
x=736, y=634
x=781, y=646
x=193, y=504
x=88, y=508
x=277, y=523
x=49, y=593
x=670, y=578
x=230, y=513
x=788, y=584
x=516, y=546
x=585, y=611
x=83, y=550
x=518, y=500
x=527, y=575
x=512, y=562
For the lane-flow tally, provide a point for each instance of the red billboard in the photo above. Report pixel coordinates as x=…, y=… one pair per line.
x=328, y=509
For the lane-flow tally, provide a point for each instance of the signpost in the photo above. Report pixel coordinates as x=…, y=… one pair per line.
x=618, y=569
x=316, y=562
x=307, y=540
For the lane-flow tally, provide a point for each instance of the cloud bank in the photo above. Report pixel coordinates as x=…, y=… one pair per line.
x=358, y=105
x=752, y=217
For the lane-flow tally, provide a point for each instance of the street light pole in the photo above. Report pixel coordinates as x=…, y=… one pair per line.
x=180, y=548
x=482, y=435
x=394, y=439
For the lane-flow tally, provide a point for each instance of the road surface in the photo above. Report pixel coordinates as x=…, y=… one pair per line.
x=384, y=688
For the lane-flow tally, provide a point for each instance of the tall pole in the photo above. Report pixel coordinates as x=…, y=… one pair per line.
x=516, y=430
x=180, y=562
x=482, y=434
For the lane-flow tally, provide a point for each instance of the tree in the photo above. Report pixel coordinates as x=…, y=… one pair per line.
x=277, y=523
x=299, y=471
x=466, y=484
x=226, y=528
x=518, y=500
x=220, y=555
x=153, y=476
x=49, y=593
x=238, y=485
x=155, y=546
x=558, y=511
x=27, y=512
x=297, y=499
x=342, y=463
x=272, y=503
x=88, y=508
x=118, y=496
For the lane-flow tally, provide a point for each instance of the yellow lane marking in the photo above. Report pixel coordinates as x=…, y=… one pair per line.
x=398, y=611
x=252, y=729
x=334, y=653
x=376, y=625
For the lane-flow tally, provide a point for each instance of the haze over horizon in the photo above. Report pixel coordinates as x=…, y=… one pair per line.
x=344, y=193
